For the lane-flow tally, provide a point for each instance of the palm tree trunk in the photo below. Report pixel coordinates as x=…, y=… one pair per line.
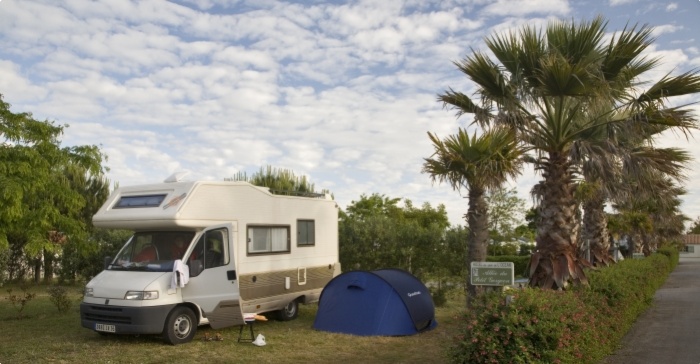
x=636, y=242
x=477, y=238
x=595, y=231
x=555, y=260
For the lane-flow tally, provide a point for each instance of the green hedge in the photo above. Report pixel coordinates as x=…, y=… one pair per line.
x=580, y=325
x=672, y=253
x=519, y=262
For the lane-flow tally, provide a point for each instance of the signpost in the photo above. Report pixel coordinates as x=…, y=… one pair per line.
x=492, y=273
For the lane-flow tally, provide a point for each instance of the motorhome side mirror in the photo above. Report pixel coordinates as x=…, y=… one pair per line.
x=196, y=267
x=108, y=260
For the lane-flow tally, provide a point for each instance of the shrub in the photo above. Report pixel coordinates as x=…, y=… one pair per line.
x=672, y=253
x=20, y=301
x=59, y=297
x=519, y=262
x=580, y=325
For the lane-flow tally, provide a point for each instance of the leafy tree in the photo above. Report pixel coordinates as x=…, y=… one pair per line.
x=375, y=232
x=478, y=164
x=77, y=262
x=612, y=171
x=695, y=228
x=650, y=217
x=34, y=191
x=553, y=87
x=279, y=180
x=374, y=205
x=505, y=213
x=84, y=256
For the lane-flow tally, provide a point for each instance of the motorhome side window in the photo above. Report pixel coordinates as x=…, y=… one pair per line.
x=306, y=234
x=268, y=239
x=211, y=249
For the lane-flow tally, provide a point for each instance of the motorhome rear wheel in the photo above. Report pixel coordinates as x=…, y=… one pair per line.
x=289, y=312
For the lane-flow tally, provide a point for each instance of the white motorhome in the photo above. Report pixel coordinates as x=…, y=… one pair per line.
x=246, y=251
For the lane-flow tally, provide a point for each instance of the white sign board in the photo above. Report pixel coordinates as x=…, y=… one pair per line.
x=492, y=273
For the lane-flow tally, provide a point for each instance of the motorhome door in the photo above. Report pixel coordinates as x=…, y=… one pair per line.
x=213, y=281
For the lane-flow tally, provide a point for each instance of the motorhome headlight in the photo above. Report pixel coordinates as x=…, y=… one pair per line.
x=141, y=295
x=88, y=292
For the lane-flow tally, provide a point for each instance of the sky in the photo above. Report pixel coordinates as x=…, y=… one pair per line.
x=343, y=92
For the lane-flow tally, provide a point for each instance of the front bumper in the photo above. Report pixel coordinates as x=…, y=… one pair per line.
x=127, y=320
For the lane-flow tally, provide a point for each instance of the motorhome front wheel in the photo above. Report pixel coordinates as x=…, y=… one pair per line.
x=180, y=326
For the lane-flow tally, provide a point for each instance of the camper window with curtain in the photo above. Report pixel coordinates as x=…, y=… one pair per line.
x=268, y=239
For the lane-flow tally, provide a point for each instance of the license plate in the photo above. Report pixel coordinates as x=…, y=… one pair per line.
x=105, y=328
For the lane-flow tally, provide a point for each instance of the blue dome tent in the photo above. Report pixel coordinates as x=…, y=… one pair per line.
x=386, y=302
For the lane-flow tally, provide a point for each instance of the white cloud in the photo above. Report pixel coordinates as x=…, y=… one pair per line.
x=343, y=93
x=667, y=28
x=621, y=2
x=671, y=7
x=527, y=7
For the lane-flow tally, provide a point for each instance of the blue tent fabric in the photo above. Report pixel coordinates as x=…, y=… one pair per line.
x=386, y=302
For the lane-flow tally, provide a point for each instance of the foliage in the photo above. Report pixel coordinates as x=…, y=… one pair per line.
x=40, y=206
x=561, y=89
x=503, y=248
x=672, y=254
x=519, y=262
x=20, y=301
x=84, y=261
x=478, y=164
x=375, y=233
x=580, y=325
x=506, y=212
x=279, y=181
x=59, y=297
x=695, y=227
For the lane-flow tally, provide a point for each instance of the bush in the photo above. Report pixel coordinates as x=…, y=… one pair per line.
x=672, y=253
x=579, y=325
x=20, y=301
x=59, y=297
x=519, y=261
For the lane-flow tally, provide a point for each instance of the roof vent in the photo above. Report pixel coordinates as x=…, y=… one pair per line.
x=176, y=177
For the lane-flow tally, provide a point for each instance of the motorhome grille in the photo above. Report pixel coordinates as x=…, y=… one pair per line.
x=106, y=317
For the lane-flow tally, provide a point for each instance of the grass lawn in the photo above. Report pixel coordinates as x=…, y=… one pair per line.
x=46, y=336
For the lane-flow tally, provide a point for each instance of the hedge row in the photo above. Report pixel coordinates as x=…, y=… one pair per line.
x=519, y=262
x=580, y=325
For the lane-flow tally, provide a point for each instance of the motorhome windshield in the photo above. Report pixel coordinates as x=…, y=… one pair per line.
x=152, y=251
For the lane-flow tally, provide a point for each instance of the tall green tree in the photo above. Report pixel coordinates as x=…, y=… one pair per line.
x=618, y=162
x=651, y=217
x=695, y=226
x=375, y=232
x=82, y=250
x=279, y=181
x=34, y=192
x=506, y=211
x=477, y=164
x=552, y=87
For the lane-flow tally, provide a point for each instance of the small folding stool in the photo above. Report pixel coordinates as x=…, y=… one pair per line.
x=248, y=320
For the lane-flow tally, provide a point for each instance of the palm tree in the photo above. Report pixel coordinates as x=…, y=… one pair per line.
x=653, y=215
x=553, y=87
x=478, y=164
x=637, y=165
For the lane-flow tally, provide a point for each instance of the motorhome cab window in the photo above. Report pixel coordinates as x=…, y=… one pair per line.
x=152, y=251
x=306, y=234
x=211, y=249
x=268, y=239
x=129, y=202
